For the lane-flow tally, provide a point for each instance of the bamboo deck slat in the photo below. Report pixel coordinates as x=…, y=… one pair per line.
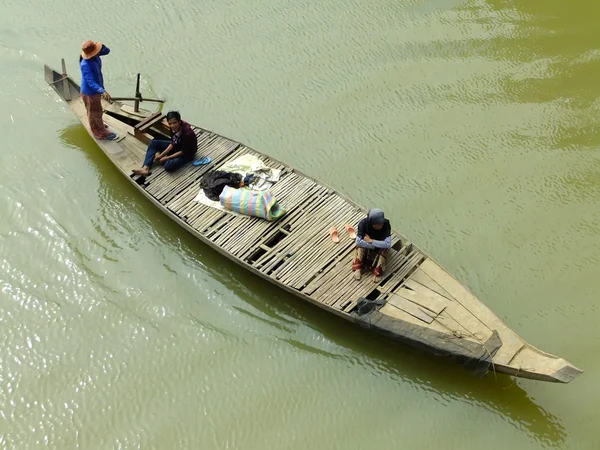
x=297, y=273
x=309, y=230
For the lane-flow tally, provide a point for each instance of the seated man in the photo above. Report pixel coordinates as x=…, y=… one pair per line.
x=373, y=239
x=174, y=153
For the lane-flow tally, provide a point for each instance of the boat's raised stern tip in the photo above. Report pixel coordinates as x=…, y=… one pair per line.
x=50, y=74
x=61, y=82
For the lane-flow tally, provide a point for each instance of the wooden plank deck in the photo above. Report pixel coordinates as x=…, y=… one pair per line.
x=296, y=250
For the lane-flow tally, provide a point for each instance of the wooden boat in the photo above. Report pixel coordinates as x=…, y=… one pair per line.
x=416, y=301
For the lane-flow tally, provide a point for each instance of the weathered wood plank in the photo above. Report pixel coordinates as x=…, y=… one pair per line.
x=148, y=121
x=473, y=308
x=398, y=313
x=135, y=148
x=463, y=326
x=424, y=296
x=129, y=110
x=421, y=277
x=421, y=300
x=312, y=261
x=410, y=308
x=131, y=152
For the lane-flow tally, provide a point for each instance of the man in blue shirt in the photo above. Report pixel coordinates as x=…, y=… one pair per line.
x=92, y=87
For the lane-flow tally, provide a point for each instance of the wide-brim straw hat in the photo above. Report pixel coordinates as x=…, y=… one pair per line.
x=89, y=49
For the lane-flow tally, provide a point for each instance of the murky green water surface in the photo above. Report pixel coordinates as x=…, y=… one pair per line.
x=474, y=124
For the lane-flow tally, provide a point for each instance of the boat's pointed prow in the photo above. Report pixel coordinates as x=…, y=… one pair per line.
x=566, y=373
x=62, y=83
x=535, y=364
x=439, y=305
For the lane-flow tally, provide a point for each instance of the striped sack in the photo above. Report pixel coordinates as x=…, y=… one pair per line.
x=251, y=203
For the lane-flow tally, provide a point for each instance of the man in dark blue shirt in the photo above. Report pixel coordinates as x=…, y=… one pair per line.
x=373, y=240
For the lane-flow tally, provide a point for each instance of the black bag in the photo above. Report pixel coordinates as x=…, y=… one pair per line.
x=213, y=182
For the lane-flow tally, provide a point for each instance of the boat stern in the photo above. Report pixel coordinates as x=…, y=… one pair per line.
x=62, y=83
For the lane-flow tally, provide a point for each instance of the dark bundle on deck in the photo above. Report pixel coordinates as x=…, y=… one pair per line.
x=213, y=183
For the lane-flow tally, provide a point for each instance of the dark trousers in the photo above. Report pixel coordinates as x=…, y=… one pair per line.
x=158, y=146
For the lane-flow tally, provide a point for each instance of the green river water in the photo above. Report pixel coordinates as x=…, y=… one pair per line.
x=474, y=124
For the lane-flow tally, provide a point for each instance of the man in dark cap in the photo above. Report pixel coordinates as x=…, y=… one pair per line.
x=373, y=240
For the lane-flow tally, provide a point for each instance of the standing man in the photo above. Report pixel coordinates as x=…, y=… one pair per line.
x=92, y=87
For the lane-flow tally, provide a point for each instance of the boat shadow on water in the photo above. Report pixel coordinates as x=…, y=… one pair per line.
x=263, y=301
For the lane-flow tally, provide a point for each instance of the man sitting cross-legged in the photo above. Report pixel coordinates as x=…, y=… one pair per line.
x=373, y=240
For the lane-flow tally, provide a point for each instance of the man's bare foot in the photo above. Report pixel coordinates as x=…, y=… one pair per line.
x=377, y=272
x=357, y=275
x=143, y=171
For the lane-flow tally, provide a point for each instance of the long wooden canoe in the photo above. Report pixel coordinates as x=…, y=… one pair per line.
x=416, y=301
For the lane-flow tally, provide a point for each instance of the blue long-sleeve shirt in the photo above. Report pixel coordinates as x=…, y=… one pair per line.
x=386, y=243
x=92, y=81
x=381, y=238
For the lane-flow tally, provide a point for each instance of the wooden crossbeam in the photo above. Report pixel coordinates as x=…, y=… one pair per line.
x=149, y=121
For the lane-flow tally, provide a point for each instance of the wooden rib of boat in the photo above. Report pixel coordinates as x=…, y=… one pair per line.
x=416, y=301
